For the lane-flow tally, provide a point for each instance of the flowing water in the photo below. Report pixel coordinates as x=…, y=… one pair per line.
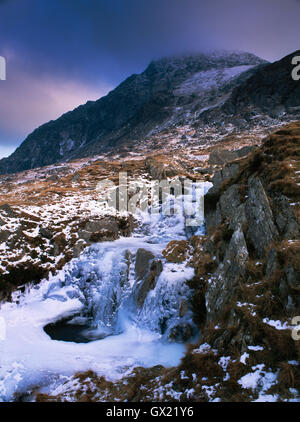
x=88, y=316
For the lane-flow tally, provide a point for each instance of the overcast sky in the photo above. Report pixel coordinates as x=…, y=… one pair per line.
x=62, y=53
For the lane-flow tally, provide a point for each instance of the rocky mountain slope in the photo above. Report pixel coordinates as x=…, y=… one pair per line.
x=203, y=118
x=49, y=215
x=170, y=93
x=178, y=101
x=246, y=292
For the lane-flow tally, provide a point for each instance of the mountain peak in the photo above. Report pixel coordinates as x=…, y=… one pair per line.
x=203, y=61
x=218, y=88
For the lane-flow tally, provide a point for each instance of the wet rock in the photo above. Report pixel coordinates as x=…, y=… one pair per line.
x=183, y=309
x=149, y=281
x=181, y=332
x=126, y=225
x=261, y=228
x=142, y=262
x=78, y=247
x=59, y=244
x=147, y=269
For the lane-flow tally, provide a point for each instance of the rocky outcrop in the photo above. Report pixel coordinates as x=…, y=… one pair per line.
x=213, y=214
x=104, y=229
x=222, y=157
x=222, y=286
x=157, y=99
x=261, y=227
x=255, y=99
x=254, y=243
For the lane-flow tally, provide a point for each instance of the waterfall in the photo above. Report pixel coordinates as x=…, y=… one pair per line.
x=126, y=301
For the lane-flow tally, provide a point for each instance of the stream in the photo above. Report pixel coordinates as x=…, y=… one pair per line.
x=90, y=316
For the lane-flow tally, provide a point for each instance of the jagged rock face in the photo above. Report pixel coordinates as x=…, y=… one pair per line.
x=249, y=226
x=261, y=227
x=270, y=93
x=223, y=284
x=271, y=89
x=254, y=238
x=169, y=92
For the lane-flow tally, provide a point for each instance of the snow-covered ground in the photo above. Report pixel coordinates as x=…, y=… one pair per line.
x=100, y=286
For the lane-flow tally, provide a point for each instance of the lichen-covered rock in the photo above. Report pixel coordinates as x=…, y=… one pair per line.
x=149, y=281
x=287, y=223
x=177, y=251
x=230, y=201
x=222, y=286
x=261, y=228
x=147, y=270
x=156, y=169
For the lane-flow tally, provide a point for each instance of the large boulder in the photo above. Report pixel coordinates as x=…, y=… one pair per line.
x=287, y=223
x=9, y=212
x=230, y=201
x=213, y=214
x=105, y=229
x=261, y=228
x=147, y=270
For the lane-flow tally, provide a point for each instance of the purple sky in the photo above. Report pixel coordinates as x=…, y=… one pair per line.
x=61, y=53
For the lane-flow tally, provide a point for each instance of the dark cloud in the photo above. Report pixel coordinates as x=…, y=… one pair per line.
x=92, y=45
